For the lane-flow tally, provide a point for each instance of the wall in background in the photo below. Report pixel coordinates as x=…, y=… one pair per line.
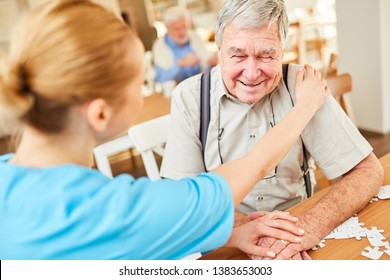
x=11, y=10
x=141, y=19
x=385, y=51
x=364, y=44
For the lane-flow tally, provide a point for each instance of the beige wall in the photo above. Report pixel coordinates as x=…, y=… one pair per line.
x=363, y=43
x=11, y=10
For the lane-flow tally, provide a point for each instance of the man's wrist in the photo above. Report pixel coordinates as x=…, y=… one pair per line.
x=240, y=219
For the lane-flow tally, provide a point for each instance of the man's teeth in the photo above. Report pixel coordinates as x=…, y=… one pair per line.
x=250, y=85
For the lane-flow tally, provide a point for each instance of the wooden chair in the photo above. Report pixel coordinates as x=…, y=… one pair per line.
x=104, y=151
x=148, y=138
x=340, y=86
x=333, y=66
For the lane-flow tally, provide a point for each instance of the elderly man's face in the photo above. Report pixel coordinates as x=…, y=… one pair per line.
x=178, y=31
x=251, y=61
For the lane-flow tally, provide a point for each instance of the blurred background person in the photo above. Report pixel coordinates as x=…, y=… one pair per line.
x=181, y=53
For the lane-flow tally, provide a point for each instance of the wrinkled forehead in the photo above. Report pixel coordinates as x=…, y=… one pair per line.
x=236, y=27
x=265, y=33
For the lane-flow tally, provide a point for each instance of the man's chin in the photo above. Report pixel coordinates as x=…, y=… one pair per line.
x=249, y=98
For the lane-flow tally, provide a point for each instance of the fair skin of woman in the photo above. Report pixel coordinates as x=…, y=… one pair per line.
x=98, y=120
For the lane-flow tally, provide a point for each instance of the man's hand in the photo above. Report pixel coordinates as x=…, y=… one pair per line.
x=189, y=60
x=286, y=250
x=283, y=249
x=276, y=224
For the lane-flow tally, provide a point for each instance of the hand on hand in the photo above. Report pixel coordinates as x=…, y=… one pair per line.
x=296, y=251
x=276, y=224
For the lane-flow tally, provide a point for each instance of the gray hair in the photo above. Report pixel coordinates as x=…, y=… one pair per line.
x=251, y=14
x=173, y=14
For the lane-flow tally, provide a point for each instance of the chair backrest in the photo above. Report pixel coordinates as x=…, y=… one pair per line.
x=149, y=137
x=340, y=85
x=104, y=151
x=333, y=65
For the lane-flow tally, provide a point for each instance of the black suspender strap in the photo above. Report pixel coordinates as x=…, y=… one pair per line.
x=285, y=73
x=305, y=165
x=204, y=110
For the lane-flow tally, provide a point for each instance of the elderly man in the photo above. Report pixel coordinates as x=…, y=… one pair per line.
x=181, y=53
x=247, y=97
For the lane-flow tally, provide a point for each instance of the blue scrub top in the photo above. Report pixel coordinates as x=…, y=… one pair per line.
x=72, y=212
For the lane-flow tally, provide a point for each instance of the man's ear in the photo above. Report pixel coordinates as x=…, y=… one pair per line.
x=99, y=114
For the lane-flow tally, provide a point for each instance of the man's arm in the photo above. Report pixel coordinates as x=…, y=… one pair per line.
x=240, y=219
x=163, y=75
x=183, y=153
x=346, y=197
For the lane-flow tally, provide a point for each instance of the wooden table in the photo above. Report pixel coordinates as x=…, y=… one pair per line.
x=375, y=214
x=155, y=105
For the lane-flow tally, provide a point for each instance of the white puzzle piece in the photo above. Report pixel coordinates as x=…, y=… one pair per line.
x=374, y=199
x=384, y=192
x=320, y=244
x=377, y=241
x=387, y=251
x=374, y=232
x=372, y=253
x=351, y=228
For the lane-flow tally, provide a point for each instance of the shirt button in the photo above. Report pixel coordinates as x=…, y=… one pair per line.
x=259, y=198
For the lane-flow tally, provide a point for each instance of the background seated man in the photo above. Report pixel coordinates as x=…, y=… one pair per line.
x=247, y=98
x=181, y=53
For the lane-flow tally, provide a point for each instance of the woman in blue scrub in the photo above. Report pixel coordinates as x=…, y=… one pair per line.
x=72, y=81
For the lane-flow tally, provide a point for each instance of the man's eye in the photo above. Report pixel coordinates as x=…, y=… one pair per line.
x=238, y=57
x=266, y=58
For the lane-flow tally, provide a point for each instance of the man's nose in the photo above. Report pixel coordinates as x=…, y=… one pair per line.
x=183, y=31
x=252, y=69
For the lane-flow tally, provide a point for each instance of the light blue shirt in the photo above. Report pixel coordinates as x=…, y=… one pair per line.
x=72, y=212
x=176, y=73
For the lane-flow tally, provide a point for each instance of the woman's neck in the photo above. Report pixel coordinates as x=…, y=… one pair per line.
x=38, y=149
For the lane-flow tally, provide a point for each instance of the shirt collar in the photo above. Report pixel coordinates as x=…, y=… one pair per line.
x=221, y=90
x=172, y=44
